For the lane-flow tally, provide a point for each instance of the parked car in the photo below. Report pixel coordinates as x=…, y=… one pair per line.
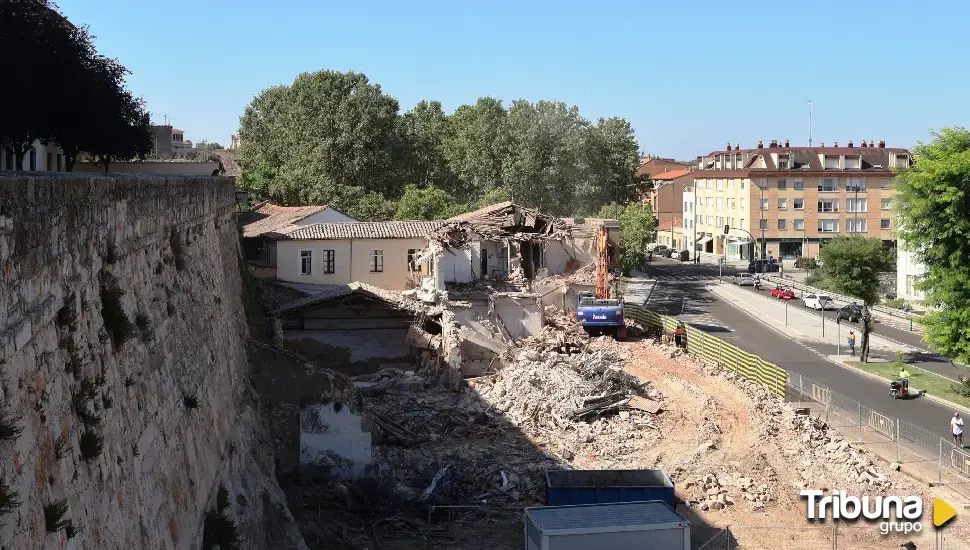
x=652, y=247
x=819, y=301
x=683, y=255
x=851, y=313
x=782, y=292
x=744, y=279
x=669, y=253
x=762, y=266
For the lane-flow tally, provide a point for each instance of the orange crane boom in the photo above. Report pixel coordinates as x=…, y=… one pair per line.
x=602, y=264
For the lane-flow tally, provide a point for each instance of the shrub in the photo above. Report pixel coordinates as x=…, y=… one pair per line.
x=91, y=445
x=895, y=303
x=8, y=499
x=61, y=449
x=191, y=401
x=816, y=280
x=116, y=321
x=218, y=529
x=144, y=326
x=962, y=388
x=9, y=425
x=54, y=516
x=806, y=262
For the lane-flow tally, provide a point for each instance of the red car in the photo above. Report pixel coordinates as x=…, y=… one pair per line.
x=782, y=293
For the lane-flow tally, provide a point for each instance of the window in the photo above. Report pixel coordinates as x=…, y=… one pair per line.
x=720, y=185
x=884, y=184
x=720, y=221
x=798, y=204
x=33, y=159
x=902, y=161
x=10, y=163
x=783, y=163
x=50, y=161
x=853, y=163
x=710, y=184
x=885, y=224
x=412, y=255
x=742, y=184
x=799, y=225
x=731, y=183
x=328, y=261
x=376, y=261
x=782, y=204
x=685, y=207
x=828, y=226
x=709, y=220
x=710, y=201
x=782, y=184
x=742, y=203
x=828, y=184
x=720, y=203
x=885, y=204
x=764, y=204
x=853, y=225
x=764, y=224
x=740, y=161
x=799, y=185
x=855, y=184
x=763, y=183
x=60, y=166
x=734, y=203
x=306, y=262
x=742, y=223
x=828, y=205
x=782, y=225
x=831, y=161
x=855, y=205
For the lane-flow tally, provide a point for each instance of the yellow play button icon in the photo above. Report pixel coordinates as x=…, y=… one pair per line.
x=942, y=512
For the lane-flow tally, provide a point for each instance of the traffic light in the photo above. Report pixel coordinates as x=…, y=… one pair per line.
x=727, y=229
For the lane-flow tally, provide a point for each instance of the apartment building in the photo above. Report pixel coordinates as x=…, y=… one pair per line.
x=787, y=201
x=665, y=196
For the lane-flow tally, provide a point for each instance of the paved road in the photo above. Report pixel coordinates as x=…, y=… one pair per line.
x=925, y=358
x=677, y=281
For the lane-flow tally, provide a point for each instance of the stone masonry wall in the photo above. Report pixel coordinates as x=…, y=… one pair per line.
x=122, y=327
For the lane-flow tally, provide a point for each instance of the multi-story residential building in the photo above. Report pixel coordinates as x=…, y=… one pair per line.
x=688, y=220
x=665, y=197
x=791, y=200
x=651, y=165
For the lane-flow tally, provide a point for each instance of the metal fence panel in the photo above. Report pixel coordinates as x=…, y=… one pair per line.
x=882, y=424
x=960, y=461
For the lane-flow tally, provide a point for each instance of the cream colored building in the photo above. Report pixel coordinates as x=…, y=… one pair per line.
x=788, y=200
x=375, y=253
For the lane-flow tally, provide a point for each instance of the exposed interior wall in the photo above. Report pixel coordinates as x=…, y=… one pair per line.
x=521, y=316
x=353, y=335
x=121, y=323
x=497, y=256
x=558, y=253
x=461, y=265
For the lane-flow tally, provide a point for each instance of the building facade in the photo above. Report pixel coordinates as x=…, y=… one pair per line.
x=39, y=158
x=909, y=270
x=666, y=196
x=788, y=201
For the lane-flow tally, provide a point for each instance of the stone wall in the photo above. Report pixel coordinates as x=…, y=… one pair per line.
x=123, y=365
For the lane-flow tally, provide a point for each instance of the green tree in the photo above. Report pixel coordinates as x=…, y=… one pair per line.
x=370, y=206
x=207, y=146
x=328, y=138
x=476, y=146
x=425, y=129
x=852, y=265
x=932, y=202
x=611, y=211
x=426, y=204
x=637, y=224
x=540, y=168
x=494, y=196
x=611, y=156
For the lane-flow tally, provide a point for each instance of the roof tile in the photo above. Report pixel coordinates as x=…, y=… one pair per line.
x=271, y=218
x=365, y=230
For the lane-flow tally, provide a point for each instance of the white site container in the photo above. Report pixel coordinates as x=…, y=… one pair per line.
x=649, y=525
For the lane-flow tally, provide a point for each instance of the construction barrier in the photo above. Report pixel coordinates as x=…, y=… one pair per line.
x=961, y=461
x=882, y=424
x=714, y=350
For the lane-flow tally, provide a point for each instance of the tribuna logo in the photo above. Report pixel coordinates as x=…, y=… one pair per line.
x=895, y=514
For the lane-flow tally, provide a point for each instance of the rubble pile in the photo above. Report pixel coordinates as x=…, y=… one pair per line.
x=714, y=492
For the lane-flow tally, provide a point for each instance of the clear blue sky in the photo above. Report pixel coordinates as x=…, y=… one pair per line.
x=689, y=75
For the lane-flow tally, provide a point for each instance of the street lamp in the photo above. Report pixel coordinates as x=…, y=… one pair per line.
x=805, y=214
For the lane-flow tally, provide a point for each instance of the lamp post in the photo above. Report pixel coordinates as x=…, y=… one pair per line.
x=805, y=214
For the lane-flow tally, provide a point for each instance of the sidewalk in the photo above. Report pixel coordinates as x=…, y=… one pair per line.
x=800, y=325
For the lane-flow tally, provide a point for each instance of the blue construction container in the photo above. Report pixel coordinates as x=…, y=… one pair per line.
x=572, y=487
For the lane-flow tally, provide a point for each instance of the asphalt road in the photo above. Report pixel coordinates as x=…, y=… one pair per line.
x=677, y=281
x=925, y=358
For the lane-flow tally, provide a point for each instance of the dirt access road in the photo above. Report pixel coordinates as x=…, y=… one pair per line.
x=758, y=442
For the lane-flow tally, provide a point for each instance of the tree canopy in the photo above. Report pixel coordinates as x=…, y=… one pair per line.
x=851, y=265
x=332, y=138
x=78, y=99
x=429, y=203
x=637, y=224
x=932, y=204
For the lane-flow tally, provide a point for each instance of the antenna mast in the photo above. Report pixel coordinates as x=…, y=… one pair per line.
x=809, y=122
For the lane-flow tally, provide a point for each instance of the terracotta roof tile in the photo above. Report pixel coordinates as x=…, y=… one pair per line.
x=490, y=209
x=271, y=218
x=365, y=230
x=672, y=175
x=670, y=224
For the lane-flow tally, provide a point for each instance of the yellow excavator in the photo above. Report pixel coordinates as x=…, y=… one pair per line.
x=602, y=311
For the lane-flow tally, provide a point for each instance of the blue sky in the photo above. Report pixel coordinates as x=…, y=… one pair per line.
x=690, y=75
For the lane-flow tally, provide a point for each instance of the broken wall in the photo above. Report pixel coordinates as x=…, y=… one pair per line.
x=558, y=253
x=461, y=265
x=521, y=315
x=497, y=257
x=123, y=364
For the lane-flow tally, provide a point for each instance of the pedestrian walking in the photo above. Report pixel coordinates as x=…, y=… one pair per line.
x=852, y=343
x=679, y=335
x=956, y=426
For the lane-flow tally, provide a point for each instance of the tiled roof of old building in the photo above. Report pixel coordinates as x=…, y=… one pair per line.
x=672, y=175
x=669, y=224
x=365, y=230
x=271, y=218
x=483, y=212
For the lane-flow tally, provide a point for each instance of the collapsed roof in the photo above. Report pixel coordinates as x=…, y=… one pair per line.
x=507, y=220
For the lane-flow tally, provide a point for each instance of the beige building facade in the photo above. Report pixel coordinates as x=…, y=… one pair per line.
x=380, y=254
x=788, y=201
